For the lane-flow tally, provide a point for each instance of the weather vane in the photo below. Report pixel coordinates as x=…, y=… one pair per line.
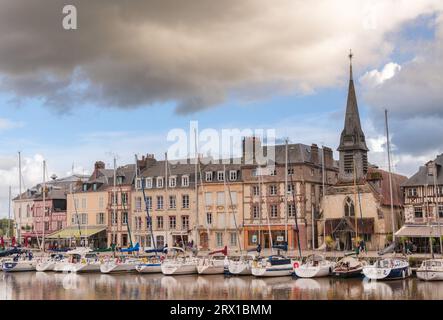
x=350, y=55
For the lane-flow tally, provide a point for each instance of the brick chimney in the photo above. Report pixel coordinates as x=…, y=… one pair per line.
x=250, y=147
x=329, y=160
x=97, y=166
x=146, y=161
x=314, y=154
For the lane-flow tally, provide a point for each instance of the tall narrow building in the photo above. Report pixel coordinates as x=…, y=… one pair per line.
x=353, y=150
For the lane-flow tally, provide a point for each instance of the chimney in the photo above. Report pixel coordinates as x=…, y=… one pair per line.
x=314, y=154
x=97, y=166
x=250, y=147
x=146, y=161
x=329, y=160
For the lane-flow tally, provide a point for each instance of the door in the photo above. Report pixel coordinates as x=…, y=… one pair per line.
x=204, y=240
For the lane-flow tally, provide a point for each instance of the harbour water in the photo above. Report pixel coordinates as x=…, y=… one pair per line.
x=39, y=285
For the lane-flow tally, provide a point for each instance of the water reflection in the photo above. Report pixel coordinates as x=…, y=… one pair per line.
x=39, y=285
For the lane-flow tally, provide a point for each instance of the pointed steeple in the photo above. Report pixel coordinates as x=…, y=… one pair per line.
x=352, y=148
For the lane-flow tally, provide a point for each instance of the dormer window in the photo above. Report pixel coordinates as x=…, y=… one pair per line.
x=119, y=180
x=138, y=183
x=221, y=176
x=208, y=176
x=232, y=175
x=94, y=187
x=172, y=182
x=160, y=182
x=148, y=183
x=85, y=187
x=185, y=181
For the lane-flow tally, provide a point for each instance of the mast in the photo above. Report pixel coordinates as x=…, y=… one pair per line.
x=19, y=233
x=196, y=188
x=286, y=192
x=9, y=212
x=390, y=176
x=114, y=203
x=437, y=207
x=323, y=178
x=235, y=219
x=44, y=205
x=355, y=201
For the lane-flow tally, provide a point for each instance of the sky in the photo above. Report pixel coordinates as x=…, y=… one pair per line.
x=133, y=71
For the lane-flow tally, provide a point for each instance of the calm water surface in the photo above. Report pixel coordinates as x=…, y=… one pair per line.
x=39, y=285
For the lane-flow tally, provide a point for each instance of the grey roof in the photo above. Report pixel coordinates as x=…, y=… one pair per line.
x=422, y=178
x=297, y=153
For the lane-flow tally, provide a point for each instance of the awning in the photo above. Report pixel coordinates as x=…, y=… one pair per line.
x=419, y=231
x=74, y=232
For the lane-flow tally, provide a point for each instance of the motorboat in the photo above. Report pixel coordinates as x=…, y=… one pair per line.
x=48, y=263
x=213, y=264
x=316, y=266
x=180, y=263
x=388, y=269
x=23, y=261
x=273, y=266
x=119, y=264
x=349, y=267
x=151, y=264
x=430, y=270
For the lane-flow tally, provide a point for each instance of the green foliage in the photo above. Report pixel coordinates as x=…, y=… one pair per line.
x=389, y=237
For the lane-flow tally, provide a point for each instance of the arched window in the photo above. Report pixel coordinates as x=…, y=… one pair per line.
x=349, y=208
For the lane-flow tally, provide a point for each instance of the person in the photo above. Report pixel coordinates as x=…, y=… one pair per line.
x=408, y=247
x=362, y=246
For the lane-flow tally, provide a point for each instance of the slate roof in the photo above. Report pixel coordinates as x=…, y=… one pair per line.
x=421, y=177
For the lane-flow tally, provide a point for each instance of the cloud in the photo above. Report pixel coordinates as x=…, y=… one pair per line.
x=6, y=124
x=374, y=77
x=192, y=54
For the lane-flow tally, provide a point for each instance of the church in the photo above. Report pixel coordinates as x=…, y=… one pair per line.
x=358, y=206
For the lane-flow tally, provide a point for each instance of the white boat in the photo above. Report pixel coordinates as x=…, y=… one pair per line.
x=349, y=267
x=48, y=263
x=119, y=264
x=213, y=264
x=316, y=266
x=242, y=266
x=21, y=262
x=72, y=259
x=89, y=262
x=388, y=269
x=180, y=263
x=431, y=270
x=273, y=266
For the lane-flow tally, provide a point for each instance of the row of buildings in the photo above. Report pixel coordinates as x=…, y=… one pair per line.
x=303, y=192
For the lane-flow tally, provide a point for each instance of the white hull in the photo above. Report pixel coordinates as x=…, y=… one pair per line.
x=179, y=268
x=117, y=267
x=272, y=271
x=240, y=268
x=149, y=268
x=85, y=267
x=62, y=266
x=211, y=269
x=45, y=266
x=19, y=266
x=312, y=272
x=430, y=275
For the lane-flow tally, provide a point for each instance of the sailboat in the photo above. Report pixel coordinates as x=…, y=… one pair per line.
x=23, y=261
x=180, y=263
x=349, y=267
x=48, y=263
x=315, y=266
x=213, y=264
x=274, y=265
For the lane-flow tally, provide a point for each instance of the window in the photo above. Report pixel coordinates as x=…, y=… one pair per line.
x=172, y=202
x=119, y=180
x=185, y=222
x=208, y=198
x=159, y=222
x=148, y=222
x=160, y=241
x=290, y=171
x=219, y=239
x=349, y=208
x=312, y=172
x=138, y=183
x=124, y=199
x=59, y=225
x=291, y=188
x=124, y=217
x=84, y=203
x=101, y=202
x=172, y=222
x=273, y=190
x=439, y=190
x=274, y=210
x=233, y=238
x=254, y=172
x=233, y=175
x=256, y=190
x=220, y=198
x=418, y=212
x=233, y=199
x=85, y=187
x=114, y=198
x=84, y=218
x=440, y=211
x=148, y=183
x=46, y=226
x=185, y=181
x=114, y=218
x=412, y=192
x=101, y=218
x=159, y=202
x=159, y=182
x=138, y=203
x=255, y=212
x=208, y=176
x=221, y=176
x=291, y=210
x=94, y=187
x=209, y=218
x=273, y=172
x=185, y=201
x=149, y=202
x=172, y=182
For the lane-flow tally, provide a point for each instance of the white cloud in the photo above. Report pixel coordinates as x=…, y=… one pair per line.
x=7, y=124
x=375, y=78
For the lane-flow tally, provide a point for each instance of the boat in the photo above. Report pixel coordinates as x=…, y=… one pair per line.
x=180, y=264
x=349, y=267
x=430, y=270
x=213, y=264
x=388, y=269
x=48, y=263
x=151, y=264
x=70, y=259
x=273, y=266
x=119, y=264
x=88, y=262
x=242, y=266
x=21, y=262
x=316, y=266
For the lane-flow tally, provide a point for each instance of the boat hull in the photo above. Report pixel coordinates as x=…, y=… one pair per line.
x=272, y=271
x=430, y=275
x=357, y=273
x=116, y=268
x=240, y=269
x=312, y=272
x=178, y=269
x=85, y=267
x=45, y=266
x=374, y=273
x=149, y=268
x=20, y=266
x=211, y=269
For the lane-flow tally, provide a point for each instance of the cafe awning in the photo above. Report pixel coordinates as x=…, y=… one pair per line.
x=75, y=232
x=419, y=231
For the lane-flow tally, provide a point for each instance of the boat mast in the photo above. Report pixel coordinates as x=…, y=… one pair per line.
x=114, y=204
x=286, y=191
x=437, y=207
x=390, y=176
x=44, y=205
x=323, y=178
x=9, y=212
x=235, y=219
x=19, y=233
x=355, y=202
x=196, y=188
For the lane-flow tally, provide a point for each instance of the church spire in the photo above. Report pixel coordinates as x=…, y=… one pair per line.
x=352, y=141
